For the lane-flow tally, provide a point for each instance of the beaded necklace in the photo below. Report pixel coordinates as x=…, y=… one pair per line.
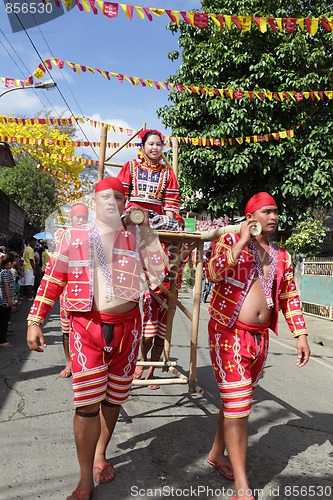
x=102, y=262
x=267, y=286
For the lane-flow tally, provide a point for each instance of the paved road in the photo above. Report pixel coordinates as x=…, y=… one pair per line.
x=162, y=438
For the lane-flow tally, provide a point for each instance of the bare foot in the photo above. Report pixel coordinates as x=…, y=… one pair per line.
x=65, y=373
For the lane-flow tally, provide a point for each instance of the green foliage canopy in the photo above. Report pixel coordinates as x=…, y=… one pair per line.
x=32, y=189
x=297, y=171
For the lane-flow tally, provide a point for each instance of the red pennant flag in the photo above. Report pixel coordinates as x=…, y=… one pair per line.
x=59, y=62
x=172, y=17
x=157, y=85
x=271, y=23
x=148, y=13
x=79, y=5
x=219, y=17
x=238, y=94
x=186, y=19
x=48, y=63
x=290, y=24
x=120, y=77
x=110, y=9
x=130, y=10
x=277, y=96
x=298, y=96
x=9, y=82
x=143, y=83
x=179, y=87
x=92, y=3
x=325, y=24
x=200, y=20
x=237, y=23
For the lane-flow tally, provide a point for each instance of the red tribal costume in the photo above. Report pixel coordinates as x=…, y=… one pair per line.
x=153, y=187
x=238, y=350
x=101, y=370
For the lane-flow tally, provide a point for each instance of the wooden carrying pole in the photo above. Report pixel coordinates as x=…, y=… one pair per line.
x=102, y=153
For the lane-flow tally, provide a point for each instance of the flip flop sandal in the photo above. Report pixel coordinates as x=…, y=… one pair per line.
x=224, y=468
x=101, y=471
x=153, y=387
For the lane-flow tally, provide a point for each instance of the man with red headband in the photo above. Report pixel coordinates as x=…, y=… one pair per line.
x=103, y=264
x=79, y=216
x=252, y=277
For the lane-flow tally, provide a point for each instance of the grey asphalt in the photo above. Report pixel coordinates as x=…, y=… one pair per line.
x=160, y=445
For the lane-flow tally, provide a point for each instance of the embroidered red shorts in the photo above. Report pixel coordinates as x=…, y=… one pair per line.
x=154, y=315
x=103, y=369
x=238, y=358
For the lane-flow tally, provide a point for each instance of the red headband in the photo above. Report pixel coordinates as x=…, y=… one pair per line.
x=143, y=133
x=79, y=209
x=257, y=201
x=109, y=183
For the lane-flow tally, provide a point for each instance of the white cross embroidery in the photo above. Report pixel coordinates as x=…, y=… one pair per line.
x=219, y=262
x=156, y=258
x=222, y=304
x=300, y=322
x=77, y=271
x=121, y=277
x=76, y=290
x=77, y=243
x=227, y=290
x=294, y=302
x=123, y=261
x=33, y=309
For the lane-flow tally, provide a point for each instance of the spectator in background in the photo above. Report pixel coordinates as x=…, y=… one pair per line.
x=29, y=268
x=7, y=294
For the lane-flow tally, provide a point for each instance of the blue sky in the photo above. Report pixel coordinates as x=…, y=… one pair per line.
x=136, y=48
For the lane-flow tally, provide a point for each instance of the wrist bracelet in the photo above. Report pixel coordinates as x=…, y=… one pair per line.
x=33, y=322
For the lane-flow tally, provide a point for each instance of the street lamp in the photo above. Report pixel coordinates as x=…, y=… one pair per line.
x=47, y=85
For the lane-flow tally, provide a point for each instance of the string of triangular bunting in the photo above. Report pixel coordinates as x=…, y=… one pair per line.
x=201, y=19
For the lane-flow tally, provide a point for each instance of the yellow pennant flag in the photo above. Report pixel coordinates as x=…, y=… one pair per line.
x=228, y=21
x=140, y=11
x=100, y=4
x=214, y=19
x=86, y=5
x=157, y=12
x=190, y=15
x=68, y=3
x=300, y=22
x=314, y=25
x=279, y=23
x=269, y=95
x=329, y=94
x=240, y=140
x=245, y=22
x=263, y=24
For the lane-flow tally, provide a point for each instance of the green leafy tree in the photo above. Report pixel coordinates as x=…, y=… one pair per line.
x=297, y=171
x=32, y=189
x=307, y=238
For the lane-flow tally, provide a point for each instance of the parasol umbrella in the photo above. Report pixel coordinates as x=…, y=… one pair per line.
x=44, y=235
